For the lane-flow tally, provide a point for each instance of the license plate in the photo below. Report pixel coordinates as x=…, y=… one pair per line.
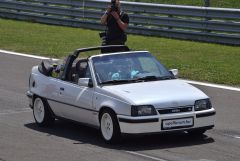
x=177, y=123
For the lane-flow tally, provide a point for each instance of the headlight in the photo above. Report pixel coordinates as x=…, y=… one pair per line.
x=145, y=110
x=204, y=104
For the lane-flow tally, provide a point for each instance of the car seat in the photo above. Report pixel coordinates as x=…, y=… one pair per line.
x=81, y=67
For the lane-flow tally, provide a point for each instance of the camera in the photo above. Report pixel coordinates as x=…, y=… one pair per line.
x=103, y=36
x=114, y=7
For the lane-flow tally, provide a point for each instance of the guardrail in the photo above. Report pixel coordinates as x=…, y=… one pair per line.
x=218, y=25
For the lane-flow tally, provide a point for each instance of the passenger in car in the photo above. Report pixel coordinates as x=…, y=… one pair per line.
x=124, y=71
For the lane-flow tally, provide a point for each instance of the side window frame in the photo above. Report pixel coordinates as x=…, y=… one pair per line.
x=74, y=74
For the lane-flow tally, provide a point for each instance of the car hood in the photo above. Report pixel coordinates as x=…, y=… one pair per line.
x=161, y=94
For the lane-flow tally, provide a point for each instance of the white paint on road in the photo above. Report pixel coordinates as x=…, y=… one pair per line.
x=7, y=112
x=203, y=160
x=233, y=136
x=213, y=85
x=145, y=156
x=188, y=81
x=24, y=55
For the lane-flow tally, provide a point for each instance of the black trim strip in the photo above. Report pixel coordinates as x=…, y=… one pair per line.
x=202, y=128
x=72, y=105
x=77, y=122
x=175, y=110
x=175, y=130
x=29, y=94
x=205, y=114
x=138, y=121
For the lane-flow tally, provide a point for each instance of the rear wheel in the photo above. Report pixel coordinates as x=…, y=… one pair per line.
x=41, y=112
x=109, y=127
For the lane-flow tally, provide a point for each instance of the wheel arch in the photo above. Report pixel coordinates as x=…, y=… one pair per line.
x=34, y=96
x=105, y=108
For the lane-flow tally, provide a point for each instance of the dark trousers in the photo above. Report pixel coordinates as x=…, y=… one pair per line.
x=115, y=42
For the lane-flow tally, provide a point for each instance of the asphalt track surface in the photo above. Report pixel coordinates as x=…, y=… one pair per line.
x=22, y=140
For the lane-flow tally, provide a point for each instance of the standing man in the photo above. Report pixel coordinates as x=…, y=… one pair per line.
x=116, y=22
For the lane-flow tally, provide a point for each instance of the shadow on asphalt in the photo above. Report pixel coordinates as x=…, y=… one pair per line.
x=81, y=134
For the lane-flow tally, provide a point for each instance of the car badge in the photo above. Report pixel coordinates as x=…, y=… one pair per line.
x=175, y=110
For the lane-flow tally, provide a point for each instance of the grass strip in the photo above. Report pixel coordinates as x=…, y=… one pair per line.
x=196, y=61
x=213, y=3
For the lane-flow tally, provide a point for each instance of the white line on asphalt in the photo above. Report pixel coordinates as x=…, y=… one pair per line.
x=213, y=85
x=188, y=81
x=237, y=137
x=14, y=112
x=233, y=136
x=20, y=54
x=145, y=156
x=7, y=112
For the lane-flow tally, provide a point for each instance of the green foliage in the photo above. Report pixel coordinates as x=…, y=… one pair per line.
x=213, y=3
x=197, y=61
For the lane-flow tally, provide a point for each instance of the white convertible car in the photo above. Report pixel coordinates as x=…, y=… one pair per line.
x=123, y=92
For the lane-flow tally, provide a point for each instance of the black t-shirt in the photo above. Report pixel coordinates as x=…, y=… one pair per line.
x=114, y=32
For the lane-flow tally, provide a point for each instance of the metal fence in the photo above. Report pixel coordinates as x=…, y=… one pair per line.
x=218, y=25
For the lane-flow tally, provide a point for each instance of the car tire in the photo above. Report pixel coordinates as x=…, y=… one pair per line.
x=197, y=133
x=109, y=127
x=42, y=113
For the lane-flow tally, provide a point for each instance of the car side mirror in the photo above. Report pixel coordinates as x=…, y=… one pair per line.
x=174, y=72
x=86, y=82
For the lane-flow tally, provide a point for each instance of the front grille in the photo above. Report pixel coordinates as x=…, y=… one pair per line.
x=175, y=110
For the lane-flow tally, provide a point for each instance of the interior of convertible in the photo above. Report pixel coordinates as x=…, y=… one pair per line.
x=72, y=69
x=78, y=70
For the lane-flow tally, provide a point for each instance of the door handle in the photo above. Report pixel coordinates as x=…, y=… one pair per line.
x=62, y=89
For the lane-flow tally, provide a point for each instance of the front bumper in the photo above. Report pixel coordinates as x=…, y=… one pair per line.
x=30, y=98
x=154, y=124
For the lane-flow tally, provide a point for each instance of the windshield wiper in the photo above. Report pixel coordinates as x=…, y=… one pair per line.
x=165, y=77
x=153, y=78
x=147, y=78
x=117, y=81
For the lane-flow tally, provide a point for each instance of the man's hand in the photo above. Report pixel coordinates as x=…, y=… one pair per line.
x=115, y=15
x=108, y=9
x=121, y=24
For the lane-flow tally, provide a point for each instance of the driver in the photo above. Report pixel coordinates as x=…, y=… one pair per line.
x=124, y=71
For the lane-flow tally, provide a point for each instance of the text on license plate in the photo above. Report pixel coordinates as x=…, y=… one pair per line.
x=177, y=123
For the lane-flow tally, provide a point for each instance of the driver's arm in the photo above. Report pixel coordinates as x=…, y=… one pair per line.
x=116, y=76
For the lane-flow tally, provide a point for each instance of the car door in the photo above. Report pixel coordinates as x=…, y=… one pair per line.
x=53, y=96
x=75, y=101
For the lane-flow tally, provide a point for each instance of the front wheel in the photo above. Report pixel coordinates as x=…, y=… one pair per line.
x=109, y=127
x=42, y=113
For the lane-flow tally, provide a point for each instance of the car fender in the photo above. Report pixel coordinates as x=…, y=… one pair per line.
x=119, y=106
x=40, y=84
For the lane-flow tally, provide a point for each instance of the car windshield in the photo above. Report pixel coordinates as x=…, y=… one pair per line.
x=129, y=68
